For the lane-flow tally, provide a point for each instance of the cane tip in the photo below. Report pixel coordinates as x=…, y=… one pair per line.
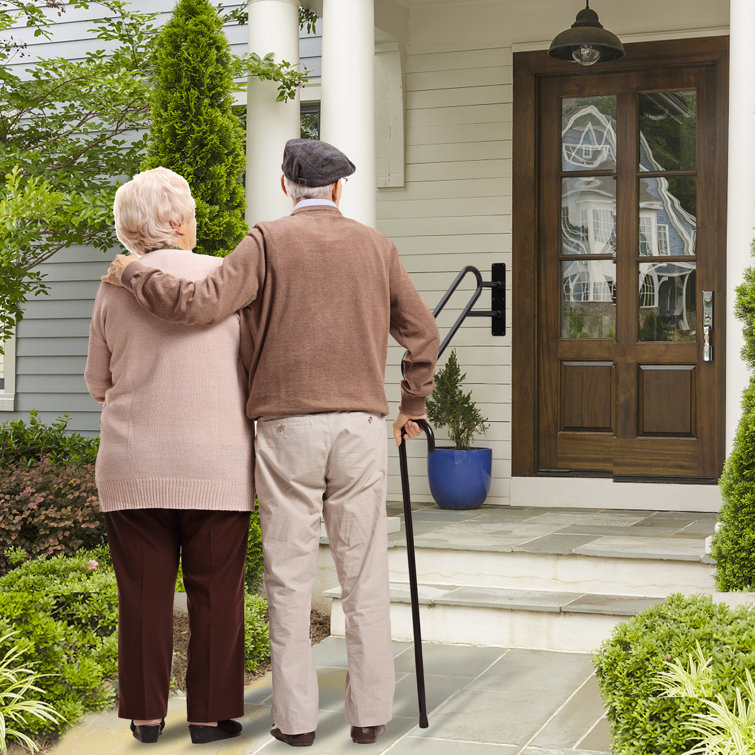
x=423, y=723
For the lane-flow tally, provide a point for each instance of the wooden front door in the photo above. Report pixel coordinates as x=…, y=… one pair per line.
x=629, y=267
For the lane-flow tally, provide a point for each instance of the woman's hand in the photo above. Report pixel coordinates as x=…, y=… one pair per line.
x=117, y=266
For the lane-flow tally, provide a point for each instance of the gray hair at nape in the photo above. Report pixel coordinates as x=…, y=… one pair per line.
x=299, y=191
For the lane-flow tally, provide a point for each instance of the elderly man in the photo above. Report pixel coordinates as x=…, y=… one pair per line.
x=321, y=294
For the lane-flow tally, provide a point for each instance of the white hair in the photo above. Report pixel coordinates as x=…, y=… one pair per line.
x=145, y=207
x=299, y=191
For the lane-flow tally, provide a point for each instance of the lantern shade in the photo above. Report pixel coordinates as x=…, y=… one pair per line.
x=586, y=37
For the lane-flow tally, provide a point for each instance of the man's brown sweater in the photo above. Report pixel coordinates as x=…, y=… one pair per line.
x=322, y=293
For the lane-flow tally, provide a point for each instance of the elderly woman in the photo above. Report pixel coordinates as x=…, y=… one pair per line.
x=174, y=473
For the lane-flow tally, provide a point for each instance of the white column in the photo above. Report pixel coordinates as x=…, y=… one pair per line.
x=348, y=97
x=273, y=27
x=741, y=195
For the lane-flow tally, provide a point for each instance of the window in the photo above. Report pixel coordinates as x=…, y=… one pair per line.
x=310, y=120
x=8, y=376
x=663, y=245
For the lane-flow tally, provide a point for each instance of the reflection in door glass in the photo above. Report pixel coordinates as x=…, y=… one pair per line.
x=668, y=130
x=667, y=216
x=588, y=133
x=668, y=301
x=588, y=215
x=588, y=299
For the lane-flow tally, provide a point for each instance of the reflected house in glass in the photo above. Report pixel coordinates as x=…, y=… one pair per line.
x=667, y=228
x=588, y=220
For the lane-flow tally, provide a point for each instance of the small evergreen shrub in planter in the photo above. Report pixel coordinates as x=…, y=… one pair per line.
x=630, y=663
x=459, y=476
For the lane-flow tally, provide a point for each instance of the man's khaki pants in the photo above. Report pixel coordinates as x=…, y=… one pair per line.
x=334, y=465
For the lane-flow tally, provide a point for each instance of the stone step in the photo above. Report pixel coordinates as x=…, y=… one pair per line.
x=504, y=617
x=501, y=617
x=614, y=573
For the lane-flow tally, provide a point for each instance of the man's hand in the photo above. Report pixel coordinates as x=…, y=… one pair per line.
x=413, y=430
x=117, y=266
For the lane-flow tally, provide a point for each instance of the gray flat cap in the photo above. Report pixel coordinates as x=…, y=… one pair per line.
x=311, y=162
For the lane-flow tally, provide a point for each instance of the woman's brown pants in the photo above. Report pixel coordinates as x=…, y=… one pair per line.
x=145, y=545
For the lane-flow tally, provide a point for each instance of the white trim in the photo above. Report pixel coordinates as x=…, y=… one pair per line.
x=8, y=392
x=604, y=493
x=311, y=92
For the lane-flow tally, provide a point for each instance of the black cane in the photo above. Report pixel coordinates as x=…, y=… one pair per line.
x=418, y=664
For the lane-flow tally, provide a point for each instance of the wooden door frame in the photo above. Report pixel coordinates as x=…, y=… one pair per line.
x=530, y=68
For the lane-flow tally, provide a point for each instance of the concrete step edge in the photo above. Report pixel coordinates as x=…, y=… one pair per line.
x=511, y=599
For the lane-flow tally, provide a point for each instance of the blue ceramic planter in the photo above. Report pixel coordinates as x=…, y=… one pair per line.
x=459, y=479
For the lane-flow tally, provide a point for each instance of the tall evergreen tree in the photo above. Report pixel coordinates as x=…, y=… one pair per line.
x=194, y=130
x=733, y=545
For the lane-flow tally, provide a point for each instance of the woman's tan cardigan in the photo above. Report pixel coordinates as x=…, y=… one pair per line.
x=174, y=433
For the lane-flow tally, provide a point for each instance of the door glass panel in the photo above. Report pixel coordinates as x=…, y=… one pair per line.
x=668, y=301
x=588, y=133
x=668, y=226
x=588, y=299
x=588, y=215
x=668, y=130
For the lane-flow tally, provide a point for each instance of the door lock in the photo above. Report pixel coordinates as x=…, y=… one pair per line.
x=707, y=325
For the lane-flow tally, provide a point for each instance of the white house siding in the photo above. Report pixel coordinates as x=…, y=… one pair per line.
x=455, y=209
x=51, y=340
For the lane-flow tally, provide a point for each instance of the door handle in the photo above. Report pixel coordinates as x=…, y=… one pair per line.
x=707, y=325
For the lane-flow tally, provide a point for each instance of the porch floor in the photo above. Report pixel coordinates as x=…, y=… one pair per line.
x=665, y=535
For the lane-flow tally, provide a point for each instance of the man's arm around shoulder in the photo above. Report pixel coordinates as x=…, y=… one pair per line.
x=235, y=284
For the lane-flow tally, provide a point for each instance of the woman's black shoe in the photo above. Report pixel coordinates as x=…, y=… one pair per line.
x=202, y=735
x=147, y=734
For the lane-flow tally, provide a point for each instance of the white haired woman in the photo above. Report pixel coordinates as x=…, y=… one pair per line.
x=174, y=473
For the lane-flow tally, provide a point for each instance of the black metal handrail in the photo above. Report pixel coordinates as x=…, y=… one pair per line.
x=497, y=313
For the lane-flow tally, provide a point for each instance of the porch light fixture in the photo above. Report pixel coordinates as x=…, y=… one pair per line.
x=587, y=41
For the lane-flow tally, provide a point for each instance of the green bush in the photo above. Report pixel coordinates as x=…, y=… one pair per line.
x=48, y=509
x=734, y=544
x=254, y=562
x=629, y=663
x=64, y=611
x=722, y=730
x=256, y=632
x=28, y=441
x=19, y=699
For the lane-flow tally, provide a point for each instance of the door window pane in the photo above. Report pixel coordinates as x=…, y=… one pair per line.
x=588, y=133
x=668, y=226
x=588, y=299
x=668, y=301
x=588, y=215
x=668, y=130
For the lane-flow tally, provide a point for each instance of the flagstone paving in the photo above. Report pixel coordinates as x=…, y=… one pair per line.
x=661, y=535
x=480, y=701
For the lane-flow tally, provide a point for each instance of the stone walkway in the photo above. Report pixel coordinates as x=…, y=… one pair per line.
x=480, y=701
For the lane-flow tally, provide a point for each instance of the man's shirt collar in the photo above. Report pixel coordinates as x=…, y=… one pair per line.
x=314, y=203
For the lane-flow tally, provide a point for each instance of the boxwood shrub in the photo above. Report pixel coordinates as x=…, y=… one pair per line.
x=64, y=612
x=628, y=663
